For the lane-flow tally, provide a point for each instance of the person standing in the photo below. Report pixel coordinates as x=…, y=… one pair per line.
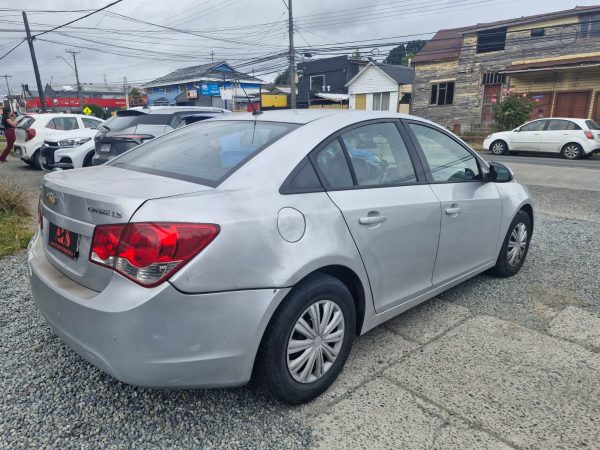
x=9, y=122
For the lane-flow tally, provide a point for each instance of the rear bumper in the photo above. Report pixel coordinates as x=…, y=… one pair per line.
x=155, y=337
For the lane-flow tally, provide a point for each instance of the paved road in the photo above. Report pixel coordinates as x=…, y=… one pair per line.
x=589, y=163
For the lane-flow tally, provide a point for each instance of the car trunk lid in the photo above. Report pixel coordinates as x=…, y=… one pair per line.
x=74, y=202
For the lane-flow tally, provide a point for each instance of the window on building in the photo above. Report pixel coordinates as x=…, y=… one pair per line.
x=167, y=89
x=491, y=40
x=493, y=78
x=442, y=93
x=317, y=83
x=590, y=26
x=381, y=101
x=538, y=32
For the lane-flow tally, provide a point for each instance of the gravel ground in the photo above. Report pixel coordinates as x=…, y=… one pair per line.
x=51, y=398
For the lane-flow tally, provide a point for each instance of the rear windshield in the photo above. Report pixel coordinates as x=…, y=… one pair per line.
x=592, y=125
x=25, y=122
x=120, y=122
x=206, y=152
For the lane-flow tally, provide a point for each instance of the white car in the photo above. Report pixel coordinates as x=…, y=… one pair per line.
x=572, y=138
x=33, y=129
x=68, y=149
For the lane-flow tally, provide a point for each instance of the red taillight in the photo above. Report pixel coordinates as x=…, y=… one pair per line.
x=29, y=134
x=149, y=253
x=589, y=135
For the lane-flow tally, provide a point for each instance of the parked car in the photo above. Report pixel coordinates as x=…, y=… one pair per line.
x=260, y=244
x=33, y=129
x=68, y=149
x=572, y=138
x=131, y=127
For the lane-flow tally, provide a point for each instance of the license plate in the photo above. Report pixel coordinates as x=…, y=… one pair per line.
x=63, y=240
x=105, y=147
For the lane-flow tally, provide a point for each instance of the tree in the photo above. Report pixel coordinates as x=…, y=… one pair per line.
x=96, y=110
x=356, y=54
x=135, y=92
x=403, y=53
x=511, y=112
x=283, y=78
x=396, y=55
x=412, y=49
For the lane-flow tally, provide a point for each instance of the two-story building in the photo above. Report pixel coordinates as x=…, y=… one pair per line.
x=322, y=82
x=553, y=59
x=214, y=84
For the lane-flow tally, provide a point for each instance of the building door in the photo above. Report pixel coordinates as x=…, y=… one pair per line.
x=542, y=105
x=596, y=115
x=572, y=104
x=491, y=96
x=360, y=101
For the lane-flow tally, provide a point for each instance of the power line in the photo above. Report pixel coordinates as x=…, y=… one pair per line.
x=12, y=49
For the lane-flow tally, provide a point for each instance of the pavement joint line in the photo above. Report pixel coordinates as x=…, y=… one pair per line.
x=473, y=425
x=327, y=406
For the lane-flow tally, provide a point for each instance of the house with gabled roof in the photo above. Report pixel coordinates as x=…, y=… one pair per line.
x=214, y=84
x=553, y=59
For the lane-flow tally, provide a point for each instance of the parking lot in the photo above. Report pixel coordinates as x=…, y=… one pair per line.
x=491, y=363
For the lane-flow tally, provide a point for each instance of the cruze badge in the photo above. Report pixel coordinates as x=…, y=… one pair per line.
x=51, y=199
x=105, y=212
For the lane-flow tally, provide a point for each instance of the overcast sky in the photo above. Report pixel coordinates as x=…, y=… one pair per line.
x=240, y=31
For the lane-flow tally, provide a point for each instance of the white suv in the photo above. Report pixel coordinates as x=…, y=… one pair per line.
x=33, y=129
x=572, y=138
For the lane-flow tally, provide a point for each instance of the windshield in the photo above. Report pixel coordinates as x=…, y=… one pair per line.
x=120, y=122
x=206, y=152
x=592, y=125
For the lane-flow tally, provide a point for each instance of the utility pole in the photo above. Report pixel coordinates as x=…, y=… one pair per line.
x=38, y=80
x=292, y=70
x=125, y=90
x=6, y=77
x=212, y=55
x=73, y=53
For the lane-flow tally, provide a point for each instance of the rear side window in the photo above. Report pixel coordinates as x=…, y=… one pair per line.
x=333, y=166
x=25, y=122
x=90, y=123
x=592, y=125
x=120, y=122
x=205, y=153
x=562, y=125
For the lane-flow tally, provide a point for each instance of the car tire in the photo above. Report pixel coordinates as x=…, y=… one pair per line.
x=515, y=246
x=37, y=159
x=87, y=162
x=302, y=375
x=499, y=147
x=28, y=162
x=572, y=151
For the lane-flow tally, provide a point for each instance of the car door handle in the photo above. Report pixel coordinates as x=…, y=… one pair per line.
x=453, y=211
x=371, y=220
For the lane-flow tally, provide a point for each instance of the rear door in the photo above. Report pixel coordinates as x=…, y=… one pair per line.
x=471, y=207
x=557, y=134
x=391, y=211
x=528, y=137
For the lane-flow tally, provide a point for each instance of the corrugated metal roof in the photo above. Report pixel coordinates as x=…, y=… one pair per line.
x=581, y=61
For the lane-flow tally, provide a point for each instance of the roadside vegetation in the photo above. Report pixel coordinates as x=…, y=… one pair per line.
x=513, y=111
x=15, y=220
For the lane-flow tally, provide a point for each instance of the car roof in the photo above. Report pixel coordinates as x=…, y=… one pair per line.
x=174, y=109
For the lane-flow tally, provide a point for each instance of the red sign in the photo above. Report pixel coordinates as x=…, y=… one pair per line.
x=73, y=102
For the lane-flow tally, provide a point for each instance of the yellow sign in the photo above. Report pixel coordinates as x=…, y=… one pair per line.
x=87, y=110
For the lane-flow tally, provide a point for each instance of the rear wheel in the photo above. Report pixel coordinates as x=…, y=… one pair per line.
x=515, y=246
x=87, y=162
x=572, y=151
x=37, y=159
x=308, y=340
x=499, y=148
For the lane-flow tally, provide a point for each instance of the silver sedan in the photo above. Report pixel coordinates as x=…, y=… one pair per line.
x=262, y=244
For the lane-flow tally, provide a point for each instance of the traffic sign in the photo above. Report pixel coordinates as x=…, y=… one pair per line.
x=87, y=110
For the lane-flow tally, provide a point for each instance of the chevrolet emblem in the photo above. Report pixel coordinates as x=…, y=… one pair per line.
x=51, y=199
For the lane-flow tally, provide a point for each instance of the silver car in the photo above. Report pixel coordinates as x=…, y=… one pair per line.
x=262, y=244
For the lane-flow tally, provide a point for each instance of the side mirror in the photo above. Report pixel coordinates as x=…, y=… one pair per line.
x=499, y=173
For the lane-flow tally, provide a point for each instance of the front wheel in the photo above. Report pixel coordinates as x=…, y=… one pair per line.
x=499, y=148
x=308, y=340
x=515, y=246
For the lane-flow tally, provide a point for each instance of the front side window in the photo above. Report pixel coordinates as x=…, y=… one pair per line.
x=442, y=93
x=205, y=153
x=378, y=155
x=562, y=125
x=448, y=161
x=538, y=125
x=333, y=166
x=63, y=123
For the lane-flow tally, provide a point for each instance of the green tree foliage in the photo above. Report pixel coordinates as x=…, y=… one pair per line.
x=511, y=112
x=283, y=78
x=404, y=53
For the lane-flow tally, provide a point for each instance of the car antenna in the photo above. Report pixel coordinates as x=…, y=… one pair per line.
x=255, y=112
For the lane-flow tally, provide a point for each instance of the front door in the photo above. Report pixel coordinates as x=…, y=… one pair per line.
x=394, y=221
x=573, y=104
x=528, y=137
x=360, y=101
x=471, y=207
x=491, y=96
